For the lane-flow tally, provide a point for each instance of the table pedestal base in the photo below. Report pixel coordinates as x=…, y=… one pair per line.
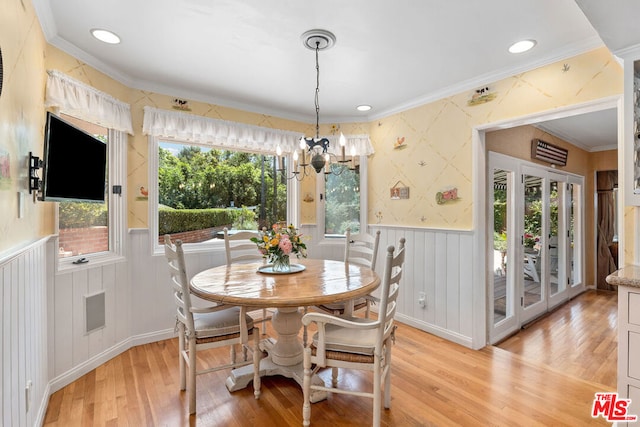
x=241, y=377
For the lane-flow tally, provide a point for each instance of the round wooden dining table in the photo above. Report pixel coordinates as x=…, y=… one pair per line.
x=311, y=282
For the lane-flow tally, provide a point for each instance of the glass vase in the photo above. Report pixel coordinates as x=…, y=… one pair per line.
x=281, y=264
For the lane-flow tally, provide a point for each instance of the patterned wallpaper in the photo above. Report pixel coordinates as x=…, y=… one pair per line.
x=437, y=153
x=21, y=123
x=427, y=149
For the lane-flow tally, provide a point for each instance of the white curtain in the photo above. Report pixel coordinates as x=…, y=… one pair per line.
x=79, y=100
x=189, y=127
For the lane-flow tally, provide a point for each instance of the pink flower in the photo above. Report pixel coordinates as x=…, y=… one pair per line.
x=285, y=244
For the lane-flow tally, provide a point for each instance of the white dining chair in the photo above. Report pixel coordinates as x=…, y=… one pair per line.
x=361, y=249
x=356, y=343
x=238, y=247
x=210, y=327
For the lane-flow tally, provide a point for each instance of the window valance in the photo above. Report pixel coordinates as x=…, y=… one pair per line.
x=205, y=130
x=87, y=103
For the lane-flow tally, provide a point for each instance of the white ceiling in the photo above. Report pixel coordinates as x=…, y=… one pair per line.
x=594, y=131
x=392, y=55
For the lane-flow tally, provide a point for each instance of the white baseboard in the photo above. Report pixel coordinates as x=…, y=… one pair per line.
x=42, y=409
x=439, y=332
x=76, y=372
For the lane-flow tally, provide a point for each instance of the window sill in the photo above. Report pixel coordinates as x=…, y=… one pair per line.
x=213, y=247
x=66, y=265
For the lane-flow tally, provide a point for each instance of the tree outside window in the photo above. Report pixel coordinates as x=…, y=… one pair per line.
x=203, y=188
x=342, y=207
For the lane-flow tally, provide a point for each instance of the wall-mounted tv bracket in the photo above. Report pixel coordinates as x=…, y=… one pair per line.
x=35, y=163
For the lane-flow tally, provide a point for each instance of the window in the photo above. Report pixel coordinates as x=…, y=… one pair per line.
x=344, y=205
x=94, y=230
x=276, y=198
x=202, y=188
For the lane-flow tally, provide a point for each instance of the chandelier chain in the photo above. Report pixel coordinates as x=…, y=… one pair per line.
x=317, y=102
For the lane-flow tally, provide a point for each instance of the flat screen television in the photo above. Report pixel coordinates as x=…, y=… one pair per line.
x=74, y=163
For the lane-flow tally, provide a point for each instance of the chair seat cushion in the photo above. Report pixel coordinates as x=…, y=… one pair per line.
x=358, y=304
x=349, y=340
x=219, y=323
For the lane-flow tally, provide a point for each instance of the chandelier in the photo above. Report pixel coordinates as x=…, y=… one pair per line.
x=314, y=150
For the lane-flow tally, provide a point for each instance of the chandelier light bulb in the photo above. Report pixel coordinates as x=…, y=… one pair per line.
x=343, y=140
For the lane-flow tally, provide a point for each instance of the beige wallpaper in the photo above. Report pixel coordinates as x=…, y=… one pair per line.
x=21, y=123
x=436, y=154
x=427, y=149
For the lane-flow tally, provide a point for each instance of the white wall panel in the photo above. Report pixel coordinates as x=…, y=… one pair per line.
x=439, y=263
x=23, y=336
x=39, y=303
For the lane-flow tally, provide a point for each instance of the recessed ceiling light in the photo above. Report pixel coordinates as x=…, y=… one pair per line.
x=105, y=36
x=363, y=107
x=522, y=46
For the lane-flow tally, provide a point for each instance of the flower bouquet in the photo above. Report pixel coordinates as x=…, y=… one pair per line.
x=278, y=244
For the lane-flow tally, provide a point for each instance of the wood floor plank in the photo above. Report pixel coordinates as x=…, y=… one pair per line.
x=580, y=338
x=545, y=375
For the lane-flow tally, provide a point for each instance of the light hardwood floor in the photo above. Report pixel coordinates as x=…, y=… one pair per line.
x=546, y=375
x=580, y=338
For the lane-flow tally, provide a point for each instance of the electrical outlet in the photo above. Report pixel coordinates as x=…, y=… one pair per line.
x=422, y=299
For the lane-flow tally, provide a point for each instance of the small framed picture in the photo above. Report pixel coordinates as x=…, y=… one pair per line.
x=398, y=191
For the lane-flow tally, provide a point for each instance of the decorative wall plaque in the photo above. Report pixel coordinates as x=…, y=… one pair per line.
x=399, y=191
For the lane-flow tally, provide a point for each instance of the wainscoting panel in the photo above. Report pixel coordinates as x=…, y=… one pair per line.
x=44, y=341
x=73, y=350
x=440, y=264
x=23, y=336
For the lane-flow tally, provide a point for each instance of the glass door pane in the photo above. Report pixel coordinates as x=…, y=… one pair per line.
x=571, y=234
x=503, y=247
x=533, y=209
x=555, y=223
x=574, y=249
x=502, y=288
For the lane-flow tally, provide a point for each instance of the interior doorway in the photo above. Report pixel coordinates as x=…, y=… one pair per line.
x=536, y=217
x=484, y=140
x=607, y=226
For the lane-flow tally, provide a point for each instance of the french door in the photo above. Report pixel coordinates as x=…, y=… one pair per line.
x=535, y=221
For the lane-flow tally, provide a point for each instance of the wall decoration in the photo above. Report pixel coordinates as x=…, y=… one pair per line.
x=379, y=216
x=143, y=193
x=399, y=191
x=308, y=197
x=5, y=170
x=445, y=196
x=422, y=163
x=335, y=129
x=399, y=144
x=181, y=104
x=423, y=218
x=565, y=68
x=481, y=96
